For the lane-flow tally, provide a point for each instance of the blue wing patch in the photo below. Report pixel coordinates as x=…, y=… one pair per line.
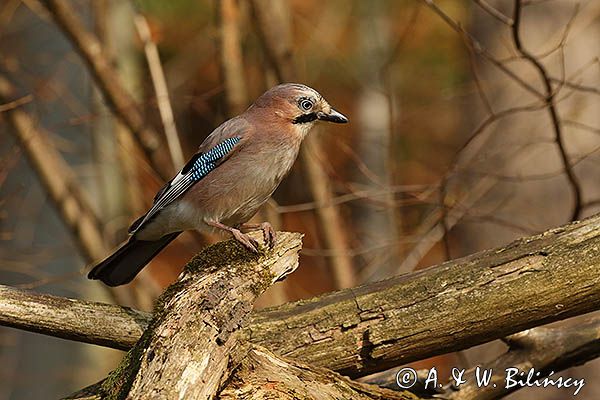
x=206, y=162
x=196, y=169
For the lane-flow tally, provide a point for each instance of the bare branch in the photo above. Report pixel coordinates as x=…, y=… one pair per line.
x=330, y=222
x=547, y=350
x=480, y=50
x=552, y=110
x=160, y=88
x=84, y=321
x=271, y=23
x=121, y=102
x=58, y=179
x=435, y=230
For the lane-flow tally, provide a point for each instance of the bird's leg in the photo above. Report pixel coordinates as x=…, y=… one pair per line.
x=267, y=230
x=243, y=238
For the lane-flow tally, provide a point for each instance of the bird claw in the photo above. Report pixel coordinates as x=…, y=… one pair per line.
x=246, y=241
x=268, y=234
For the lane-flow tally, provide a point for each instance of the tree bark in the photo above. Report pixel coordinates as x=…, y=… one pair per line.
x=530, y=282
x=262, y=375
x=84, y=321
x=185, y=351
x=546, y=350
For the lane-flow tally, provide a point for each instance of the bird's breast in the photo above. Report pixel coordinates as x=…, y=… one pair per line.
x=236, y=189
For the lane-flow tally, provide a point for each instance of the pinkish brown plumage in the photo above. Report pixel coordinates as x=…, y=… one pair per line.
x=236, y=170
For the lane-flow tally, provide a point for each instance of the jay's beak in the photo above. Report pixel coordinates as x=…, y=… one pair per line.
x=333, y=116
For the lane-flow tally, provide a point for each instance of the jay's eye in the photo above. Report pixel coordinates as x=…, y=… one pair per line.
x=306, y=104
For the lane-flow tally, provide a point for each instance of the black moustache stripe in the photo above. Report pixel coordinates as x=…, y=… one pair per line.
x=304, y=118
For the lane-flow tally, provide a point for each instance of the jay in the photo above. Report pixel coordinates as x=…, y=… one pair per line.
x=235, y=171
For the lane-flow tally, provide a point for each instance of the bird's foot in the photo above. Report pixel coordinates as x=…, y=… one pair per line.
x=269, y=235
x=247, y=241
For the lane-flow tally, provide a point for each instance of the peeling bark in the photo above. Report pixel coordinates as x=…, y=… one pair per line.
x=185, y=351
x=192, y=350
x=262, y=375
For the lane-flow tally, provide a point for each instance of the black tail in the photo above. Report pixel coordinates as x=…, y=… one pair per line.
x=129, y=259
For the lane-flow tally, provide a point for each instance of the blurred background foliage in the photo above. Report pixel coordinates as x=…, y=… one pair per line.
x=413, y=180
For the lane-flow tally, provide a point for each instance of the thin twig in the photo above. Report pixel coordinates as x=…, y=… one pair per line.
x=367, y=194
x=592, y=203
x=552, y=110
x=421, y=249
x=494, y=12
x=15, y=103
x=577, y=87
x=160, y=89
x=479, y=49
x=478, y=84
x=435, y=230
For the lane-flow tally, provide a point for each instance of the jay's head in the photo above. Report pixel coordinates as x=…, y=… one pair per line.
x=298, y=105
